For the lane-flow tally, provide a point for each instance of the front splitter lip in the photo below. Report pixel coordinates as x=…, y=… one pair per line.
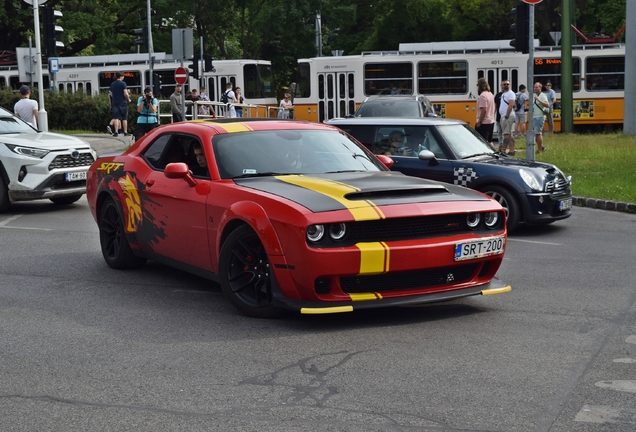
x=495, y=286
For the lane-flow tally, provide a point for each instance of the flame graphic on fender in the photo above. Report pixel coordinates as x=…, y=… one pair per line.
x=132, y=201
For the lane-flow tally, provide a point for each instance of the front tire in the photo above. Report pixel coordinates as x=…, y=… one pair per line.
x=112, y=238
x=245, y=274
x=508, y=201
x=66, y=200
x=4, y=195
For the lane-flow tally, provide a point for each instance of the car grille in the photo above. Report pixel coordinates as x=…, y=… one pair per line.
x=396, y=281
x=407, y=228
x=556, y=184
x=66, y=161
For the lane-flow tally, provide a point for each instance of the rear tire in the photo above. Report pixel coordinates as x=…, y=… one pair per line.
x=112, y=238
x=66, y=200
x=4, y=195
x=508, y=201
x=246, y=276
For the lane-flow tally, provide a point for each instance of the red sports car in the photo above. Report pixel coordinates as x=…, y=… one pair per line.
x=293, y=215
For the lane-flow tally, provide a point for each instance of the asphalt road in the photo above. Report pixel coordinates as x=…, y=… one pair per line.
x=84, y=347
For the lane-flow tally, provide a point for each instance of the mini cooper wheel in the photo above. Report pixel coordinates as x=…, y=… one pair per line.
x=112, y=237
x=66, y=200
x=245, y=274
x=508, y=201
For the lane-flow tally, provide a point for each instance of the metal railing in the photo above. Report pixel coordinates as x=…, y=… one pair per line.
x=217, y=109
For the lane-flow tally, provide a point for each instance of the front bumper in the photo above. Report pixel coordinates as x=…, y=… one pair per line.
x=543, y=208
x=495, y=286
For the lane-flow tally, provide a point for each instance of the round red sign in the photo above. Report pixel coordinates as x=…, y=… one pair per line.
x=180, y=75
x=532, y=1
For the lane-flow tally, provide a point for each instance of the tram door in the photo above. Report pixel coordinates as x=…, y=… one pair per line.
x=497, y=75
x=335, y=95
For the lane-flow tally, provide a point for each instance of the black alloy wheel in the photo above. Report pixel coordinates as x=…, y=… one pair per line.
x=245, y=274
x=112, y=238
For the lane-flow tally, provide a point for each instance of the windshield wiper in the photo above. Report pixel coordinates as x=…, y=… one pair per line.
x=477, y=154
x=345, y=171
x=260, y=174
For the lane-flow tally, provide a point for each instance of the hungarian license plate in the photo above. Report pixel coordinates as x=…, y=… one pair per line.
x=74, y=176
x=479, y=248
x=565, y=204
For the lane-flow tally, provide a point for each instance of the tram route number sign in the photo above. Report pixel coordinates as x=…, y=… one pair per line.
x=180, y=75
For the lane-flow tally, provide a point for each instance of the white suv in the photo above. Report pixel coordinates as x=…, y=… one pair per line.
x=40, y=165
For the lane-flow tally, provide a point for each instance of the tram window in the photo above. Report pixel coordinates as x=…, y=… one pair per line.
x=605, y=73
x=69, y=87
x=89, y=89
x=321, y=86
x=61, y=87
x=514, y=80
x=388, y=78
x=303, y=79
x=341, y=87
x=80, y=87
x=251, y=85
x=351, y=87
x=549, y=69
x=266, y=78
x=14, y=82
x=3, y=82
x=330, y=87
x=131, y=78
x=442, y=77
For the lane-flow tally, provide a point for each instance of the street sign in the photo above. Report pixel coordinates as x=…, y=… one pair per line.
x=180, y=75
x=54, y=65
x=532, y=2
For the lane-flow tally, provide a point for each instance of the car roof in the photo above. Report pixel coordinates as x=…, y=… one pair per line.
x=395, y=97
x=242, y=124
x=394, y=121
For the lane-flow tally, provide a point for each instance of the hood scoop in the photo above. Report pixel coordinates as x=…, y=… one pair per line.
x=397, y=193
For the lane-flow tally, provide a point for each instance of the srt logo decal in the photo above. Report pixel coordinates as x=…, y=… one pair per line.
x=132, y=201
x=110, y=166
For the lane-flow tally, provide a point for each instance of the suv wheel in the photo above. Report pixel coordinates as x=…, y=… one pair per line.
x=4, y=195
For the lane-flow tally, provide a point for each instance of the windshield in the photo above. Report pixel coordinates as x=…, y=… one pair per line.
x=251, y=154
x=389, y=108
x=464, y=140
x=11, y=124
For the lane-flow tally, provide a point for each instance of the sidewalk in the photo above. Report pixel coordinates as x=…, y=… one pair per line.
x=105, y=143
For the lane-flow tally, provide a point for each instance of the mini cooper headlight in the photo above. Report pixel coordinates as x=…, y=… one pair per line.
x=27, y=151
x=337, y=231
x=472, y=220
x=491, y=219
x=529, y=180
x=315, y=233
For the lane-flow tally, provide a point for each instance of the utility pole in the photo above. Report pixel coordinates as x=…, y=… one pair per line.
x=629, y=122
x=43, y=121
x=567, y=115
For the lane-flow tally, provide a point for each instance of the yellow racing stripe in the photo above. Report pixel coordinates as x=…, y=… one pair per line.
x=233, y=127
x=361, y=210
x=374, y=258
x=365, y=296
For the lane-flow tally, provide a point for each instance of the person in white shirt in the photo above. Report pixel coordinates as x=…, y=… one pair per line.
x=506, y=109
x=27, y=109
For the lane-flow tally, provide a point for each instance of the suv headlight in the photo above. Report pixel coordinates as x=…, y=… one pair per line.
x=27, y=151
x=530, y=180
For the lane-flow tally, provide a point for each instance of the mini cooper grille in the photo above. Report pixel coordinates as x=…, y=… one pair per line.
x=66, y=161
x=407, y=228
x=556, y=184
x=408, y=280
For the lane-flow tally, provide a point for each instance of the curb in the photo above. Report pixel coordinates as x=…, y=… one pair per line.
x=604, y=204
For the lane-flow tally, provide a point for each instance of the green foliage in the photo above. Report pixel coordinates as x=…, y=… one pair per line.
x=72, y=111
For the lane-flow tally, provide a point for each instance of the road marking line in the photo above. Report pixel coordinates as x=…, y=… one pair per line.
x=10, y=219
x=27, y=228
x=535, y=242
x=605, y=414
x=628, y=386
x=625, y=360
x=631, y=339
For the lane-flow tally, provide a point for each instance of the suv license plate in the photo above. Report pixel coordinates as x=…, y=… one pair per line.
x=479, y=248
x=565, y=204
x=74, y=176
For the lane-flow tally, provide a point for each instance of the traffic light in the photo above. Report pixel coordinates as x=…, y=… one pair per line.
x=207, y=60
x=141, y=37
x=195, y=67
x=51, y=30
x=156, y=84
x=521, y=27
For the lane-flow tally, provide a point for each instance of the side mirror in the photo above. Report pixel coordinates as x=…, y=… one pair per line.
x=387, y=161
x=427, y=155
x=179, y=170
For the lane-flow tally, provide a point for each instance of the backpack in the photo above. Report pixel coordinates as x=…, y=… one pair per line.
x=224, y=97
x=518, y=102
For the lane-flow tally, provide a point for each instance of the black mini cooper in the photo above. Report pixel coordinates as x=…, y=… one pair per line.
x=531, y=192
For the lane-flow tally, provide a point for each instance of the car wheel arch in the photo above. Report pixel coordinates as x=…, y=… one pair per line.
x=514, y=204
x=251, y=214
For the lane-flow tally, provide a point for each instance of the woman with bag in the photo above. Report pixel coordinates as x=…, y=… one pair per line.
x=538, y=115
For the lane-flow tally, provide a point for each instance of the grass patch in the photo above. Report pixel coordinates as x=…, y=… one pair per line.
x=601, y=165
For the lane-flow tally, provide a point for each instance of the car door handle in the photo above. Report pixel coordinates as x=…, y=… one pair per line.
x=150, y=182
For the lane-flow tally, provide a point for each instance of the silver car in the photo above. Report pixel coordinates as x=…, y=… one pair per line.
x=40, y=165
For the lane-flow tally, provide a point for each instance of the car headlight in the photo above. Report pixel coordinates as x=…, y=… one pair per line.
x=472, y=220
x=315, y=233
x=337, y=231
x=491, y=219
x=27, y=151
x=529, y=179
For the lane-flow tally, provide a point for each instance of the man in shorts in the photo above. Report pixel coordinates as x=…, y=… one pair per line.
x=506, y=110
x=538, y=115
x=120, y=100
